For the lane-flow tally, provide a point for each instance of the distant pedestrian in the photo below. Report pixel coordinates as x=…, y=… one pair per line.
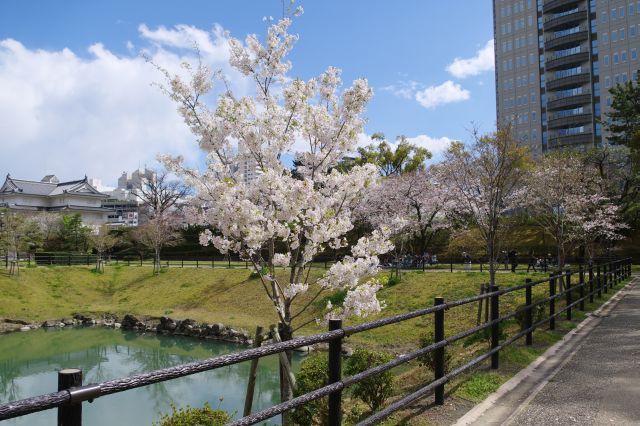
x=532, y=262
x=513, y=260
x=467, y=261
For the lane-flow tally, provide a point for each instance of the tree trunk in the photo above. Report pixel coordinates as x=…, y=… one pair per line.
x=286, y=391
x=156, y=266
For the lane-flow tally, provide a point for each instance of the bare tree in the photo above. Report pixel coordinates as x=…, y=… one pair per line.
x=17, y=232
x=159, y=194
x=157, y=233
x=102, y=241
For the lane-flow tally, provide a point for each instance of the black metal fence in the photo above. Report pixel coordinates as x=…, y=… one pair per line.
x=574, y=286
x=450, y=264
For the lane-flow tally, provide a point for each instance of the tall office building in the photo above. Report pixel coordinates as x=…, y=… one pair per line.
x=555, y=63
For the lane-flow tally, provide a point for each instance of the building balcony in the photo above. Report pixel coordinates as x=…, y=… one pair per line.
x=566, y=40
x=570, y=121
x=569, y=101
x=566, y=21
x=572, y=140
x=565, y=61
x=570, y=81
x=554, y=5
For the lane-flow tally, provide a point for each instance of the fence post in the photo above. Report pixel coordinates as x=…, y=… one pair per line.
x=599, y=281
x=248, y=401
x=451, y=264
x=495, y=328
x=197, y=264
x=438, y=335
x=229, y=258
x=213, y=260
x=590, y=283
x=335, y=374
x=581, y=290
x=552, y=302
x=569, y=295
x=69, y=414
x=87, y=260
x=605, y=272
x=69, y=260
x=182, y=262
x=529, y=313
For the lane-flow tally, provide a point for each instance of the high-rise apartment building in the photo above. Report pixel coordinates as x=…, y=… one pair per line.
x=555, y=63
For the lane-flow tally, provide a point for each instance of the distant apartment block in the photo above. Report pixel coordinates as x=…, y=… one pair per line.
x=555, y=63
x=49, y=194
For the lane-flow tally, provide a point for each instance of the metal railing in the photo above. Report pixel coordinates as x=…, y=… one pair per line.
x=444, y=263
x=591, y=282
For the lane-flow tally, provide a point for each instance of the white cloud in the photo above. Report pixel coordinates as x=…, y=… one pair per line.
x=435, y=145
x=481, y=62
x=100, y=115
x=445, y=93
x=403, y=89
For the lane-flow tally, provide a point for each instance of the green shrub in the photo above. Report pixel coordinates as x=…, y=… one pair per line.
x=393, y=280
x=539, y=313
x=336, y=298
x=375, y=390
x=255, y=274
x=313, y=374
x=429, y=360
x=189, y=416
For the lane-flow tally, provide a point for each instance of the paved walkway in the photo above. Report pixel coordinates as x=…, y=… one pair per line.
x=600, y=384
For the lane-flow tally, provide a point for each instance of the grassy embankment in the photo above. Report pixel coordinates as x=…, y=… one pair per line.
x=232, y=297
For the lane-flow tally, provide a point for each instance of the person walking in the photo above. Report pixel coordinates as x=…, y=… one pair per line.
x=513, y=260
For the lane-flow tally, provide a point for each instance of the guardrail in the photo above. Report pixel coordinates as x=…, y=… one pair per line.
x=592, y=282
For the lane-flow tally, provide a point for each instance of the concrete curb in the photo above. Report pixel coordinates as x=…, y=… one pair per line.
x=514, y=395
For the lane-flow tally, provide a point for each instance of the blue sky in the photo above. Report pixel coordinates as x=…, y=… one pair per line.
x=96, y=93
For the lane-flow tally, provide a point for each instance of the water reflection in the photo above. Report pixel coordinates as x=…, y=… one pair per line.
x=29, y=363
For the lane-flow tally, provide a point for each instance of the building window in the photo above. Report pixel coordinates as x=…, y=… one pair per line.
x=623, y=56
x=632, y=31
x=621, y=12
x=606, y=60
x=613, y=14
x=607, y=82
x=625, y=78
x=615, y=58
x=634, y=54
x=614, y=36
x=596, y=89
x=622, y=31
x=631, y=8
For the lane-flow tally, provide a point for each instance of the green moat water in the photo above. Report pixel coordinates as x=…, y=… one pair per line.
x=29, y=362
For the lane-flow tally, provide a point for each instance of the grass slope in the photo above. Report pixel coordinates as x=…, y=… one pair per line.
x=232, y=297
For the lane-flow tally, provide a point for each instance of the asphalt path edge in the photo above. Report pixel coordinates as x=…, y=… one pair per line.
x=513, y=396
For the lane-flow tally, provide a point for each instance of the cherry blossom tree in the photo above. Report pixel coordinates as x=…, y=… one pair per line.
x=568, y=201
x=484, y=181
x=411, y=204
x=276, y=220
